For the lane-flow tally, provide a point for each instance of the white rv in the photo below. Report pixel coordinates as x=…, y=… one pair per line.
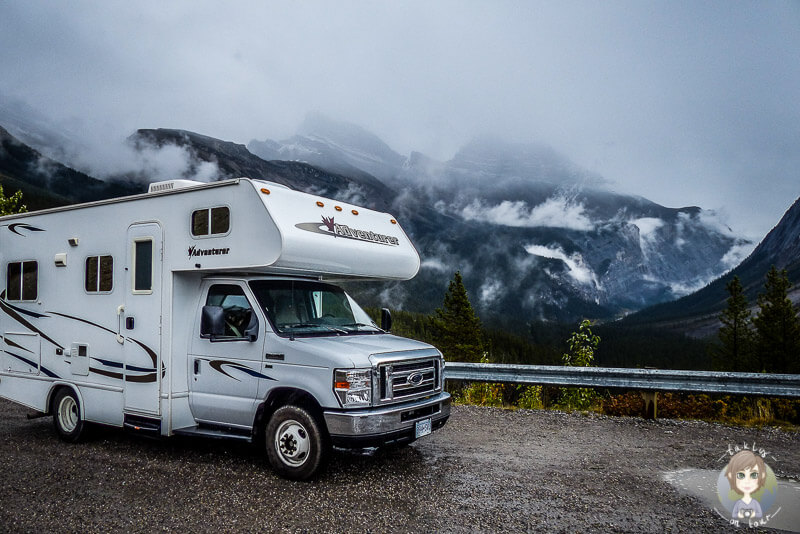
x=208, y=309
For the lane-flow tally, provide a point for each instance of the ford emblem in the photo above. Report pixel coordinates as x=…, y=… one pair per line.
x=415, y=379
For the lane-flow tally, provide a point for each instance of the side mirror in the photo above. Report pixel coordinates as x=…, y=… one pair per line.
x=386, y=319
x=212, y=322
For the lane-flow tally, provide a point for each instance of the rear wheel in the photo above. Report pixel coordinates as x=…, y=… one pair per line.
x=296, y=443
x=67, y=416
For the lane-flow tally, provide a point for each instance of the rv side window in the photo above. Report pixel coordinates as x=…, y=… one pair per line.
x=211, y=221
x=143, y=266
x=235, y=306
x=22, y=280
x=99, y=274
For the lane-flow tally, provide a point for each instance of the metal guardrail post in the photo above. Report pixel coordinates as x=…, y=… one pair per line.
x=650, y=399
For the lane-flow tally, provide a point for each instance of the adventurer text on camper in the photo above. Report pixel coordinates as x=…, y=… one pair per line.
x=194, y=251
x=328, y=227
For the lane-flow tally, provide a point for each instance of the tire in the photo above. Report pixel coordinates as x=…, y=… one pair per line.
x=67, y=416
x=297, y=444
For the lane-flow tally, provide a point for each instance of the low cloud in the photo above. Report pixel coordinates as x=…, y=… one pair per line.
x=44, y=167
x=434, y=264
x=715, y=220
x=737, y=254
x=681, y=289
x=578, y=269
x=106, y=155
x=168, y=163
x=648, y=233
x=490, y=291
x=556, y=212
x=648, y=226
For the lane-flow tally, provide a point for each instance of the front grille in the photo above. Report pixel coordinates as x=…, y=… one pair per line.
x=406, y=380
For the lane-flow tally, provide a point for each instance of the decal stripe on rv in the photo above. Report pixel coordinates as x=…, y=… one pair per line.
x=25, y=323
x=217, y=366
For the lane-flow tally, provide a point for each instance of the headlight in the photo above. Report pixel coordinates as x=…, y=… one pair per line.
x=353, y=387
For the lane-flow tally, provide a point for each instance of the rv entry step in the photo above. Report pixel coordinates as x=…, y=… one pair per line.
x=141, y=424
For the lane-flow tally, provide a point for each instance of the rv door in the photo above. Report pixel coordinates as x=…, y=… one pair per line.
x=141, y=324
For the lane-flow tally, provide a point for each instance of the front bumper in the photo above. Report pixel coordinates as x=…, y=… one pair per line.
x=391, y=424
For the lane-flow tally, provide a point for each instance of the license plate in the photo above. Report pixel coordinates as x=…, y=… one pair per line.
x=422, y=428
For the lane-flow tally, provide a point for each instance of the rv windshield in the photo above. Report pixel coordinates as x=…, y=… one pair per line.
x=297, y=307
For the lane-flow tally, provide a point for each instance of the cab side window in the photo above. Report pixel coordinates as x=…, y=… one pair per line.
x=235, y=307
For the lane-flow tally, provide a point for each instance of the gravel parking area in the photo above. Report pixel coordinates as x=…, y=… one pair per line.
x=487, y=470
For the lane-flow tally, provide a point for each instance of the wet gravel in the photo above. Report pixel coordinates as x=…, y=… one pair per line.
x=488, y=470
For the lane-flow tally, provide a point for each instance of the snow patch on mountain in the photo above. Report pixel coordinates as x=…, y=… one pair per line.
x=297, y=152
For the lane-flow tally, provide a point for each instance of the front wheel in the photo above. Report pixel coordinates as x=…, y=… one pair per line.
x=297, y=446
x=67, y=416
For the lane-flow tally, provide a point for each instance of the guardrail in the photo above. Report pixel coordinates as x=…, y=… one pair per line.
x=772, y=385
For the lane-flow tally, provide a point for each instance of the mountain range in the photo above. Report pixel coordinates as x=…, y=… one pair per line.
x=535, y=236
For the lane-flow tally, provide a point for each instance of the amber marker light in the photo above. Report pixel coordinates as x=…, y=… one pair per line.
x=320, y=204
x=342, y=385
x=265, y=190
x=355, y=212
x=338, y=208
x=393, y=221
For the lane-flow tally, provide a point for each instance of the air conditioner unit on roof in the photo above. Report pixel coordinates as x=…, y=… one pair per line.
x=170, y=185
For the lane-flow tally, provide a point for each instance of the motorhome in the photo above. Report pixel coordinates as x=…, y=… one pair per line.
x=212, y=310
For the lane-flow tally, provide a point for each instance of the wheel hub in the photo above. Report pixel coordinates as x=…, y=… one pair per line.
x=292, y=443
x=68, y=414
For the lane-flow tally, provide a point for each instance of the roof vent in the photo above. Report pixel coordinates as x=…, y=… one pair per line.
x=171, y=185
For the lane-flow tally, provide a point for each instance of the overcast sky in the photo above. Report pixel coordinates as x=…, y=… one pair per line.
x=694, y=103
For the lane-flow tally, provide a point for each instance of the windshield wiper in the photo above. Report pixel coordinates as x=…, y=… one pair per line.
x=359, y=325
x=312, y=325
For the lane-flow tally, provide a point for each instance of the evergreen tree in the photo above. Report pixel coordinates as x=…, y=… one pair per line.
x=459, y=333
x=12, y=204
x=777, y=326
x=735, y=352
